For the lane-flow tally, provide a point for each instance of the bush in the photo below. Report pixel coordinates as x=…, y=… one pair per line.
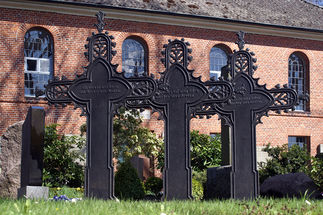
x=284, y=160
x=316, y=172
x=197, y=189
x=127, y=182
x=60, y=159
x=154, y=185
x=130, y=139
x=205, y=151
x=198, y=184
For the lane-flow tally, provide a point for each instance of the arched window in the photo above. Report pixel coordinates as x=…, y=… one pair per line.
x=298, y=76
x=133, y=58
x=38, y=51
x=218, y=59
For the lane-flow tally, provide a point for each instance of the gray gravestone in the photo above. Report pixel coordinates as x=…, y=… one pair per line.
x=32, y=155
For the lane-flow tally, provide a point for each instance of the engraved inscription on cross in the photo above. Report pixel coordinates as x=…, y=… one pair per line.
x=98, y=92
x=243, y=112
x=177, y=91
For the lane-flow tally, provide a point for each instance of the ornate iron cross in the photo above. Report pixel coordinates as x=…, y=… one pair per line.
x=98, y=92
x=243, y=112
x=177, y=92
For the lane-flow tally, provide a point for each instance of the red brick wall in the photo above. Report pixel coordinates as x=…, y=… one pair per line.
x=70, y=32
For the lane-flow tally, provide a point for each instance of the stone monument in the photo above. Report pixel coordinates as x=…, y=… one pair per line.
x=32, y=154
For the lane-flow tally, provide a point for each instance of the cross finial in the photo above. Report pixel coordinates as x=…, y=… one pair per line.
x=100, y=26
x=240, y=41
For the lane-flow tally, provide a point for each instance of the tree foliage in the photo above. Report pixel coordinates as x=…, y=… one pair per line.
x=205, y=151
x=284, y=160
x=62, y=159
x=130, y=138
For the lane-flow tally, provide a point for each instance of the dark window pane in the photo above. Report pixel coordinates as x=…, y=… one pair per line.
x=31, y=65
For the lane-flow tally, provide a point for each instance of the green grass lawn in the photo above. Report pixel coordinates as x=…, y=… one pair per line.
x=97, y=207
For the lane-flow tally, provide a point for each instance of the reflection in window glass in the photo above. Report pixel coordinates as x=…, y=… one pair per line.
x=38, y=51
x=297, y=77
x=216, y=136
x=218, y=59
x=133, y=58
x=300, y=141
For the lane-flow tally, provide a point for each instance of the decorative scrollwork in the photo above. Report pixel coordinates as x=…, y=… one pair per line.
x=176, y=52
x=259, y=115
x=141, y=88
x=100, y=48
x=100, y=17
x=284, y=98
x=241, y=63
x=240, y=42
x=57, y=91
x=219, y=92
x=100, y=45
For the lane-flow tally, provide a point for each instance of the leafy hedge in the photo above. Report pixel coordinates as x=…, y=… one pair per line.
x=285, y=160
x=154, y=185
x=127, y=183
x=62, y=159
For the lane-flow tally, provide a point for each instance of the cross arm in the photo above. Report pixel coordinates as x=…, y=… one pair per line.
x=56, y=91
x=284, y=98
x=142, y=89
x=219, y=92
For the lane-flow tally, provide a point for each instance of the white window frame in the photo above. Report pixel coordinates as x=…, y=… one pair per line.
x=216, y=74
x=38, y=70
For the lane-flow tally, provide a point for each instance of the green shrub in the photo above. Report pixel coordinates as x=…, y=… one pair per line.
x=154, y=185
x=61, y=167
x=130, y=138
x=198, y=184
x=283, y=160
x=316, y=171
x=197, y=189
x=127, y=182
x=205, y=151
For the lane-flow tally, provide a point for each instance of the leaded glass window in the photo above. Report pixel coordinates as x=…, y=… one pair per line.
x=218, y=59
x=133, y=58
x=38, y=52
x=297, y=77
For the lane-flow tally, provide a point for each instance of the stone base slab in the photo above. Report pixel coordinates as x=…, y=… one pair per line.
x=33, y=192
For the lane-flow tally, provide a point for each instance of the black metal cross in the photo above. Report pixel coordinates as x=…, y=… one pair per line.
x=177, y=92
x=98, y=93
x=243, y=112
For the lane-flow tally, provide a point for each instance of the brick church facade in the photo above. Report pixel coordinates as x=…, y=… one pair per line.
x=42, y=39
